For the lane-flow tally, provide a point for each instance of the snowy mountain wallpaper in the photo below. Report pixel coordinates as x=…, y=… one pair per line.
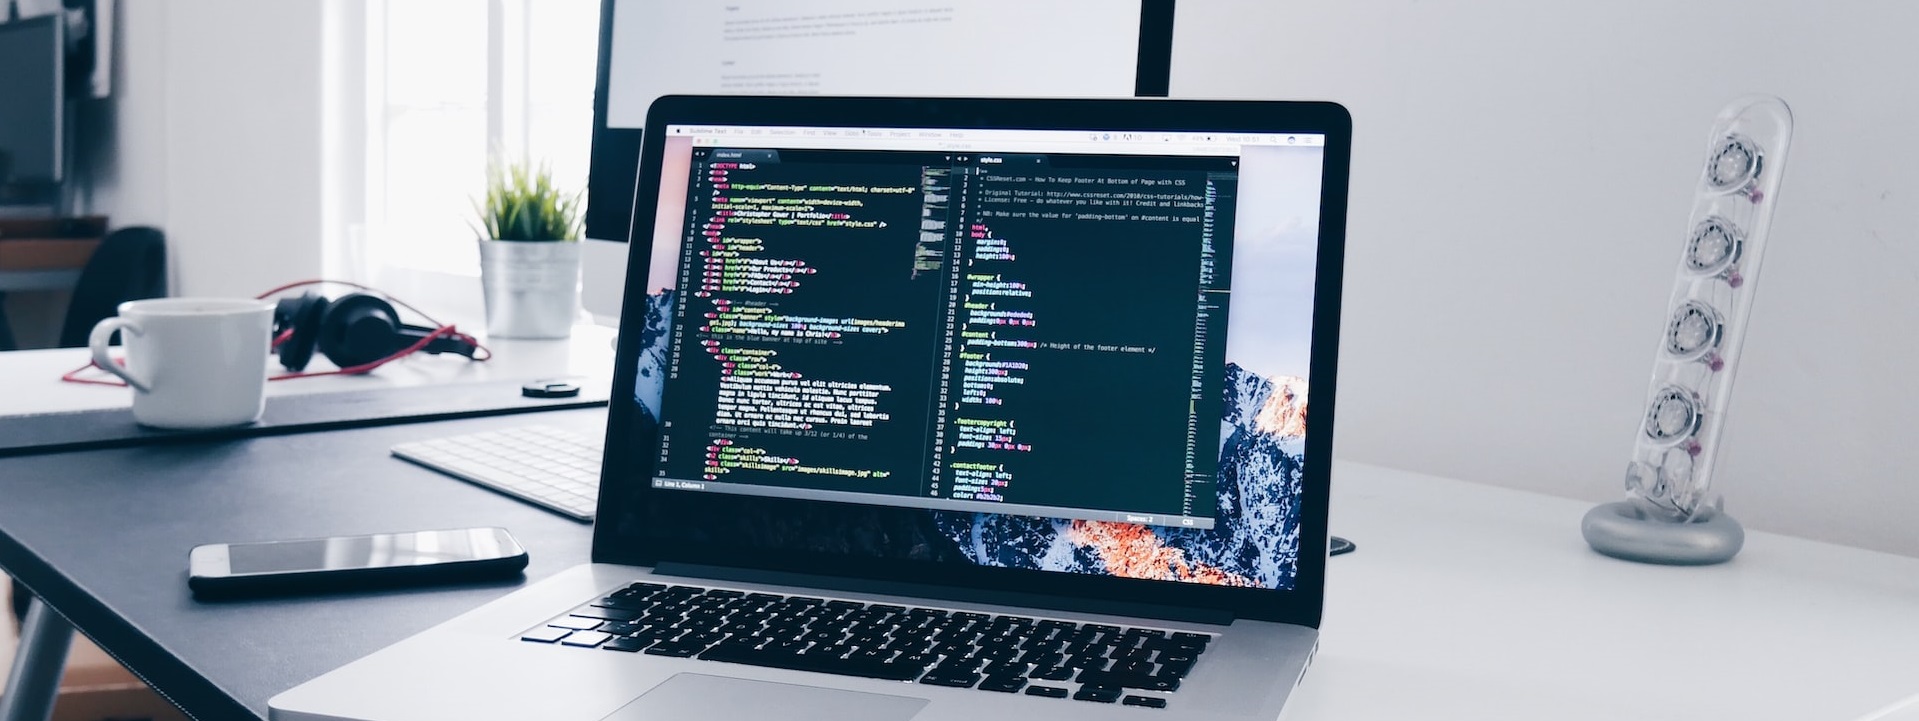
x=1256, y=541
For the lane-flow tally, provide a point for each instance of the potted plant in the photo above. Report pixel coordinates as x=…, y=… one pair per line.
x=529, y=253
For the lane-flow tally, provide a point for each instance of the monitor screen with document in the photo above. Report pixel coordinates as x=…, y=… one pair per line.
x=844, y=47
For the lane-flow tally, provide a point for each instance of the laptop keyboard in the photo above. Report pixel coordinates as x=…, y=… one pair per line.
x=938, y=647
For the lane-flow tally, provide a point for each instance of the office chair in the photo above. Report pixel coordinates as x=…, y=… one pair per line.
x=130, y=264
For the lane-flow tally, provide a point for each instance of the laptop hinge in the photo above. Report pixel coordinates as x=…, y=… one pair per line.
x=948, y=593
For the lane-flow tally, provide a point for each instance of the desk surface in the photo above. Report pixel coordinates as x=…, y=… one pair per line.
x=103, y=537
x=1463, y=601
x=33, y=377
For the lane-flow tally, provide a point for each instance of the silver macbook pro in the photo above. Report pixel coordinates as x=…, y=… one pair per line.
x=940, y=409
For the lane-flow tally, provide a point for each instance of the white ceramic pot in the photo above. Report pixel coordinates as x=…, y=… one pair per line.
x=531, y=288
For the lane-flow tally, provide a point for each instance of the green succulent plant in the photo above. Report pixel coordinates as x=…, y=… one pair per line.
x=522, y=203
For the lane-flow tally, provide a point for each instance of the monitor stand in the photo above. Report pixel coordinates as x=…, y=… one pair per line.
x=603, y=279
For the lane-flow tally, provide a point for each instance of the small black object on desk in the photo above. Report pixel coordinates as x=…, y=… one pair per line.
x=550, y=389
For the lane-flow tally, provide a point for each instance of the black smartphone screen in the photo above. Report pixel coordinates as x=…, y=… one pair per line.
x=385, y=550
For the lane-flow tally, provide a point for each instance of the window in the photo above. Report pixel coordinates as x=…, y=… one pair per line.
x=451, y=83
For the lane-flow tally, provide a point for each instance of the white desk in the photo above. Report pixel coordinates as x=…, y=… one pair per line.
x=1471, y=602
x=32, y=378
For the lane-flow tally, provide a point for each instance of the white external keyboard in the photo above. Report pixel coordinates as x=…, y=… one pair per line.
x=542, y=465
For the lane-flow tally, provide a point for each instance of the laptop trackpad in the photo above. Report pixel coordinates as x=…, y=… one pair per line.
x=697, y=697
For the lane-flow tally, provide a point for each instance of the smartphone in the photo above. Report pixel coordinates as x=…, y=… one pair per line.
x=353, y=562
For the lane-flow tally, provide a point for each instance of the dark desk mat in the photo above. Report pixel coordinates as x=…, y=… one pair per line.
x=83, y=430
x=103, y=537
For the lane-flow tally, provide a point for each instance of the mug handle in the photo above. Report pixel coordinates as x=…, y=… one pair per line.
x=97, y=342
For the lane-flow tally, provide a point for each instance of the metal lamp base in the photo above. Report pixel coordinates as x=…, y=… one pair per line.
x=1621, y=530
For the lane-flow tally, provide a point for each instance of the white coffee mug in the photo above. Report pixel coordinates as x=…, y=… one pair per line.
x=192, y=362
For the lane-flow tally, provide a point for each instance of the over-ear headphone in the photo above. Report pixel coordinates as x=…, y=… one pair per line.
x=354, y=330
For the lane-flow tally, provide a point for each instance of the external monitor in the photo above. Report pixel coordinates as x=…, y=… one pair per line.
x=32, y=65
x=842, y=47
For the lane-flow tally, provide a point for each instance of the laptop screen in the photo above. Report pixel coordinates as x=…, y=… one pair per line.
x=1056, y=350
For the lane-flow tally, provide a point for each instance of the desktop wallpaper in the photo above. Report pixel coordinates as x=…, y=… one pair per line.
x=1255, y=541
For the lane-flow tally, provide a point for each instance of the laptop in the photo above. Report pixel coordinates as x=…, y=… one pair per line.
x=940, y=409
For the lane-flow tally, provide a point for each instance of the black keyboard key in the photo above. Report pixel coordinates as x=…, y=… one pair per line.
x=675, y=650
x=702, y=638
x=1004, y=668
x=545, y=634
x=792, y=646
x=630, y=603
x=1176, y=669
x=628, y=645
x=608, y=614
x=1052, y=673
x=831, y=651
x=745, y=643
x=656, y=633
x=1000, y=641
x=1098, y=694
x=1087, y=662
x=620, y=629
x=962, y=664
x=1146, y=682
x=639, y=590
x=916, y=660
x=1160, y=683
x=1047, y=691
x=950, y=680
x=997, y=653
x=1040, y=643
x=1147, y=701
x=1002, y=684
x=585, y=639
x=1095, y=677
x=1191, y=640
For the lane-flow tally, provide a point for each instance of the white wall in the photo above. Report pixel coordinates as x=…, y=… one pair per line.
x=216, y=137
x=1522, y=175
